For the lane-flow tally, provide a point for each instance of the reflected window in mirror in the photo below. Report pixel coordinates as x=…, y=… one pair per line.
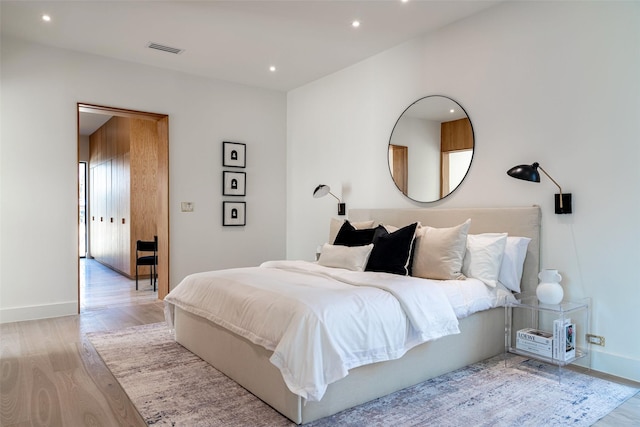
x=455, y=165
x=431, y=148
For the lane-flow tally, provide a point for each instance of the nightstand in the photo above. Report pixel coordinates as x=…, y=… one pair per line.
x=552, y=333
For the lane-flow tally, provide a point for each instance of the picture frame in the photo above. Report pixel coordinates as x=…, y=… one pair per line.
x=234, y=214
x=234, y=183
x=234, y=154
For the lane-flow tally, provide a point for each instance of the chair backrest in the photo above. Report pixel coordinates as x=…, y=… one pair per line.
x=147, y=246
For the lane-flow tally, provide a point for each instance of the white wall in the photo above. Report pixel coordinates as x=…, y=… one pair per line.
x=40, y=88
x=554, y=82
x=422, y=138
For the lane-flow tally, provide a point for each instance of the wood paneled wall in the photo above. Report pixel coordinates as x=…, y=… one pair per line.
x=123, y=190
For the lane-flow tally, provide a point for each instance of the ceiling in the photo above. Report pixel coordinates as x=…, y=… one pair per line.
x=89, y=122
x=235, y=41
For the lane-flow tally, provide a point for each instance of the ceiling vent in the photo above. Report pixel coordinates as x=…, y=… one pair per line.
x=164, y=48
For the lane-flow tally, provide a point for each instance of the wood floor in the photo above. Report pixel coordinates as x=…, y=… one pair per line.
x=52, y=376
x=101, y=287
x=50, y=373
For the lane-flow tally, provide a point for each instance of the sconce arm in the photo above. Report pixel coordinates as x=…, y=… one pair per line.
x=554, y=181
x=339, y=199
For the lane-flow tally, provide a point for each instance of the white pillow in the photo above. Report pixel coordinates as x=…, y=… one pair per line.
x=513, y=262
x=336, y=223
x=350, y=257
x=483, y=257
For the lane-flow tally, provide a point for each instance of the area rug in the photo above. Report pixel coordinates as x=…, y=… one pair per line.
x=170, y=386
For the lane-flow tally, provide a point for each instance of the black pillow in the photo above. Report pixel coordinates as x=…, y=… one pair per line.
x=392, y=252
x=348, y=235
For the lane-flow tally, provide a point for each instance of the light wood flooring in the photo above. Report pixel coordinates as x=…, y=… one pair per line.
x=52, y=376
x=101, y=287
x=50, y=373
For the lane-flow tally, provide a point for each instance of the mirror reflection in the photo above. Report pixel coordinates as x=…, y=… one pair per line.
x=431, y=148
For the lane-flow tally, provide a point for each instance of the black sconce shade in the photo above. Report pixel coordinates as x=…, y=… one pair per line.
x=525, y=172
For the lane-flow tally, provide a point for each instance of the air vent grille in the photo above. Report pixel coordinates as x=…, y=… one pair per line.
x=164, y=48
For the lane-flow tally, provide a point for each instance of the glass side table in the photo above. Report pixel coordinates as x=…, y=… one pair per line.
x=551, y=333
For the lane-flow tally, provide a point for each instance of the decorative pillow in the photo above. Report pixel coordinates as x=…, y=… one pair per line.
x=439, y=252
x=352, y=258
x=483, y=257
x=392, y=251
x=350, y=236
x=390, y=228
x=513, y=262
x=336, y=223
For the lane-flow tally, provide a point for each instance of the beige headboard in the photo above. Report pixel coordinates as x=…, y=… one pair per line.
x=517, y=221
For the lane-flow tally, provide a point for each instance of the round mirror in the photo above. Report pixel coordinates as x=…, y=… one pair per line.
x=431, y=148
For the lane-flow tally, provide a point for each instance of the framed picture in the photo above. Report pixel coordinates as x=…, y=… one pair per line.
x=234, y=154
x=234, y=183
x=234, y=213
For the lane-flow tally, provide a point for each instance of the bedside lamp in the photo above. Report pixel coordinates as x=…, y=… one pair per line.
x=530, y=173
x=322, y=190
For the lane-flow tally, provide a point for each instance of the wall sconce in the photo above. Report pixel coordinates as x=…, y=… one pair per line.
x=322, y=190
x=530, y=173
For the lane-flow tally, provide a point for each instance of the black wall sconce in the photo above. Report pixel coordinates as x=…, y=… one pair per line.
x=530, y=173
x=322, y=190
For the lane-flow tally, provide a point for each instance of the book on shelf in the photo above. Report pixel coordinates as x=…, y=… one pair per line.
x=535, y=341
x=564, y=337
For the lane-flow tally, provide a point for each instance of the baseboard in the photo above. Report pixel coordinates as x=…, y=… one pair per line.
x=613, y=364
x=18, y=314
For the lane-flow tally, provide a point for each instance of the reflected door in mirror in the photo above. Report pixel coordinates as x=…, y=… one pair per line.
x=398, y=157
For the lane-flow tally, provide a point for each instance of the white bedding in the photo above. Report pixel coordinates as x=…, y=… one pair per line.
x=320, y=321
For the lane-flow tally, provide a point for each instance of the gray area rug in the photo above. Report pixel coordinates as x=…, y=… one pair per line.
x=170, y=386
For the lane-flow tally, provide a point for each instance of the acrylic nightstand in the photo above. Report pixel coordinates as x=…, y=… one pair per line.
x=549, y=319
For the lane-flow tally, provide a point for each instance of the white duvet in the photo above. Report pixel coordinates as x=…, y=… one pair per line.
x=320, y=321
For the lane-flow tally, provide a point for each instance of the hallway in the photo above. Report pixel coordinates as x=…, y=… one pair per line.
x=101, y=288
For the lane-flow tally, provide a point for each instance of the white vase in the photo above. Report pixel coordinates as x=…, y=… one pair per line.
x=549, y=290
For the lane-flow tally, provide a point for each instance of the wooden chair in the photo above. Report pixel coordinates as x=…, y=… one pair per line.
x=150, y=260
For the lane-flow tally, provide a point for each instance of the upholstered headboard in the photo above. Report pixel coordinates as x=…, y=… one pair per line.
x=517, y=221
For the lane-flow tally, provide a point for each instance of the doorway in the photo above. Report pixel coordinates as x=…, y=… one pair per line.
x=88, y=116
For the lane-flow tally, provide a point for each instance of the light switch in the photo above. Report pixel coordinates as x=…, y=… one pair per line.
x=187, y=206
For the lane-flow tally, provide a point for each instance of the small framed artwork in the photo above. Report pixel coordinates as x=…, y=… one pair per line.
x=234, y=213
x=234, y=154
x=234, y=183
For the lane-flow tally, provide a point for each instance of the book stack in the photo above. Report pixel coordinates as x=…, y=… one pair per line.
x=535, y=341
x=564, y=333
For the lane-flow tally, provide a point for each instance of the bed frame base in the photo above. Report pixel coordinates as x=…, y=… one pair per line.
x=481, y=337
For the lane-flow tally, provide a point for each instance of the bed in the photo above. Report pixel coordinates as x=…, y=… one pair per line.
x=481, y=334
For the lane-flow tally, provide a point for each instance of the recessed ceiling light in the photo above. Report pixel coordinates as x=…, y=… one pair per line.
x=46, y=18
x=272, y=68
x=452, y=111
x=355, y=24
